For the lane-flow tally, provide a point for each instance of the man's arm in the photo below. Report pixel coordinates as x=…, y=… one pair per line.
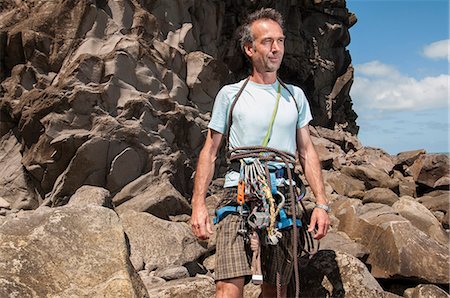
x=201, y=224
x=313, y=172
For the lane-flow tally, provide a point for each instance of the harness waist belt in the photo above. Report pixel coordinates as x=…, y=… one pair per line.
x=283, y=223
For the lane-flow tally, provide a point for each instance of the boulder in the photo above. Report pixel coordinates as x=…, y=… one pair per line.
x=4, y=203
x=337, y=274
x=345, y=140
x=340, y=242
x=403, y=160
x=149, y=245
x=406, y=185
x=252, y=291
x=371, y=176
x=412, y=253
x=16, y=186
x=155, y=196
x=40, y=255
x=328, y=152
x=425, y=291
x=201, y=287
x=172, y=272
x=436, y=200
x=380, y=195
x=343, y=184
x=375, y=157
x=431, y=170
x=421, y=218
x=87, y=195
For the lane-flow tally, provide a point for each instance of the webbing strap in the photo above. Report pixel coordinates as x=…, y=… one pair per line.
x=230, y=113
x=272, y=120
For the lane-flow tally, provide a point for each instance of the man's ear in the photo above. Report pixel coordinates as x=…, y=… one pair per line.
x=248, y=49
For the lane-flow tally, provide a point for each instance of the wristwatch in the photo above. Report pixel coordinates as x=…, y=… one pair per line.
x=324, y=207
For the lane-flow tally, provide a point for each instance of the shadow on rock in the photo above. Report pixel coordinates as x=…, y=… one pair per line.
x=313, y=270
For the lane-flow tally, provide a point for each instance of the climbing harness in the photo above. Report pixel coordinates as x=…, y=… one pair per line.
x=265, y=176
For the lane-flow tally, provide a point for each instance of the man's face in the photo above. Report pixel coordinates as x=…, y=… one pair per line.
x=267, y=50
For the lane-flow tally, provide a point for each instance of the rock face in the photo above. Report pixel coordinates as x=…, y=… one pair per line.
x=381, y=230
x=149, y=245
x=66, y=252
x=104, y=107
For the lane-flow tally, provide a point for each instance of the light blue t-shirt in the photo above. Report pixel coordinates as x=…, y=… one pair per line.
x=252, y=114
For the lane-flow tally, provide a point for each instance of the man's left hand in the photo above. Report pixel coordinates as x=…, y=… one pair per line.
x=320, y=219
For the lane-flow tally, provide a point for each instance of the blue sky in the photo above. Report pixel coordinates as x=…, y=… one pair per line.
x=400, y=51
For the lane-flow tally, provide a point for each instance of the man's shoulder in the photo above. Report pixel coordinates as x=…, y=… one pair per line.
x=294, y=88
x=232, y=87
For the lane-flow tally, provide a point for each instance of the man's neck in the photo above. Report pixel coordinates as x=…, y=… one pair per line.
x=263, y=78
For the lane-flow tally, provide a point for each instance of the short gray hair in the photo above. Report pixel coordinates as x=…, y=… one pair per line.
x=245, y=32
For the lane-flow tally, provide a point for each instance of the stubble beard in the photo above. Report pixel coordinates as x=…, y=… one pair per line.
x=272, y=66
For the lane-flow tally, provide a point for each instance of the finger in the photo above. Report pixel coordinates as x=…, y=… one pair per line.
x=320, y=231
x=327, y=227
x=201, y=231
x=312, y=223
x=209, y=227
x=194, y=228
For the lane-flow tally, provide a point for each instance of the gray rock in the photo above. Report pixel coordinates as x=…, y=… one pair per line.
x=252, y=291
x=343, y=184
x=432, y=170
x=425, y=291
x=421, y=218
x=405, y=159
x=339, y=241
x=406, y=186
x=327, y=151
x=345, y=140
x=201, y=287
x=412, y=253
x=210, y=263
x=375, y=157
x=4, y=203
x=380, y=195
x=66, y=251
x=16, y=188
x=87, y=195
x=436, y=200
x=156, y=196
x=371, y=176
x=150, y=237
x=172, y=272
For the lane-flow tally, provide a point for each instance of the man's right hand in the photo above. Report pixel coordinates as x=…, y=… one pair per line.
x=200, y=222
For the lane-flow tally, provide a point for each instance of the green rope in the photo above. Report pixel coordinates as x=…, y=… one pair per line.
x=272, y=120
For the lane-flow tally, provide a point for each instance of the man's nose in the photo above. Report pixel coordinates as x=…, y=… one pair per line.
x=276, y=45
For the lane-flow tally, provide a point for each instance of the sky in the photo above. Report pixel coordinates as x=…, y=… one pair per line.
x=400, y=52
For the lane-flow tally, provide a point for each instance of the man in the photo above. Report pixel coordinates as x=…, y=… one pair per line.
x=262, y=40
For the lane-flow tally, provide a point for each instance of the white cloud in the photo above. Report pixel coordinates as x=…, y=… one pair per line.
x=382, y=87
x=377, y=69
x=438, y=50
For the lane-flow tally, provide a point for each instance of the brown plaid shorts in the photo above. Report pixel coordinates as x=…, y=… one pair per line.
x=233, y=253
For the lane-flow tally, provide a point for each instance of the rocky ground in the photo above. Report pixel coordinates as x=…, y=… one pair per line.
x=103, y=111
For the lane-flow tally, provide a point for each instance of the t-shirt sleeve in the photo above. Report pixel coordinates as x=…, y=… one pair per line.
x=304, y=112
x=219, y=116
